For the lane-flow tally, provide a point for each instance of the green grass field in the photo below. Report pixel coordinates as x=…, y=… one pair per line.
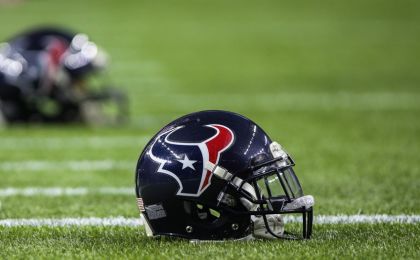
x=336, y=83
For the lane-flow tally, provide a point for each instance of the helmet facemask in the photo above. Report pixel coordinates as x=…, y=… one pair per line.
x=272, y=191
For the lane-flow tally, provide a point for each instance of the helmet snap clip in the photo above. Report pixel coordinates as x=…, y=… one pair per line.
x=235, y=226
x=189, y=229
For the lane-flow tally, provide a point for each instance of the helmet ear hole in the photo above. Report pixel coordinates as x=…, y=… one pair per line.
x=201, y=213
x=214, y=213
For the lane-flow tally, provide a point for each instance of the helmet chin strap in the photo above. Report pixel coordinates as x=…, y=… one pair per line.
x=224, y=174
x=274, y=223
x=272, y=226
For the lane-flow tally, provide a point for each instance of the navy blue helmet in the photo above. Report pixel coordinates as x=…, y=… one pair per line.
x=46, y=75
x=216, y=175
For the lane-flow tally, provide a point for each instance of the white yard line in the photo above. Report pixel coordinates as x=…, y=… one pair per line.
x=60, y=191
x=369, y=219
x=58, y=222
x=84, y=165
x=66, y=142
x=132, y=222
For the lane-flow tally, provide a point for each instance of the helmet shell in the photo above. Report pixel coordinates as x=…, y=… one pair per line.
x=173, y=182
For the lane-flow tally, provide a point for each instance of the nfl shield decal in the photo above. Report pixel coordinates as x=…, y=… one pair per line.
x=185, y=161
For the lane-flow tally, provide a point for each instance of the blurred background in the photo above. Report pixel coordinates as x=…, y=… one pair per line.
x=335, y=82
x=249, y=56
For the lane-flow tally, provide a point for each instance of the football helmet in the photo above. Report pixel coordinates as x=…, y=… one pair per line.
x=216, y=175
x=47, y=75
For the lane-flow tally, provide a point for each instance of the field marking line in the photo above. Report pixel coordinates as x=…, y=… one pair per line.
x=368, y=219
x=55, y=222
x=74, y=165
x=56, y=142
x=133, y=222
x=61, y=191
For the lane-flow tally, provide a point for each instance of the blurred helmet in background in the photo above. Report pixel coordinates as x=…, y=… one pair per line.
x=44, y=76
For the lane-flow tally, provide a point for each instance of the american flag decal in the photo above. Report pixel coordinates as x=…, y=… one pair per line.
x=140, y=204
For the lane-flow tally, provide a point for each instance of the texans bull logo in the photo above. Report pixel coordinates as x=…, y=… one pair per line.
x=185, y=162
